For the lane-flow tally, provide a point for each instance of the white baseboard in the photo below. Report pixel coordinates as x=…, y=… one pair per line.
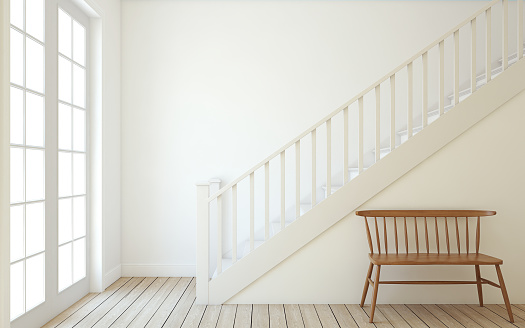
x=158, y=270
x=112, y=276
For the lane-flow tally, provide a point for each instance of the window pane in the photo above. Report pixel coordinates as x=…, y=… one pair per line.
x=79, y=217
x=65, y=177
x=34, y=120
x=17, y=289
x=79, y=43
x=34, y=281
x=64, y=33
x=34, y=228
x=79, y=129
x=34, y=174
x=79, y=86
x=34, y=66
x=35, y=18
x=17, y=232
x=17, y=58
x=65, y=278
x=79, y=259
x=79, y=174
x=17, y=116
x=17, y=175
x=64, y=220
x=64, y=127
x=64, y=79
x=17, y=13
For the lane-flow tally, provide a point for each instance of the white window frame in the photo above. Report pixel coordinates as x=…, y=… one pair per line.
x=96, y=281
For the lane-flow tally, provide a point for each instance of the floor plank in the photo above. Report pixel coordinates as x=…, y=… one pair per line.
x=211, y=316
x=142, y=301
x=181, y=290
x=177, y=316
x=310, y=318
x=444, y=317
x=76, y=317
x=146, y=314
x=393, y=317
x=426, y=316
x=94, y=316
x=380, y=321
x=326, y=316
x=343, y=317
x=516, y=311
x=170, y=302
x=227, y=316
x=260, y=316
x=481, y=320
x=123, y=304
x=409, y=316
x=243, y=318
x=360, y=316
x=492, y=316
x=294, y=319
x=69, y=311
x=459, y=316
x=502, y=312
x=194, y=317
x=277, y=317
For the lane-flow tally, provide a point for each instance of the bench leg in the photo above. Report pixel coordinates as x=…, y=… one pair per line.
x=374, y=296
x=504, y=292
x=480, y=289
x=367, y=284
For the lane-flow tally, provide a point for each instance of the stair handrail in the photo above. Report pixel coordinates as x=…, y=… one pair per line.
x=353, y=100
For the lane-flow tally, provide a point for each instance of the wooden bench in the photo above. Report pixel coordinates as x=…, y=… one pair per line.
x=457, y=248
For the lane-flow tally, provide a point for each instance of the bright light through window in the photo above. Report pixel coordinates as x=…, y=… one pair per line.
x=72, y=151
x=27, y=219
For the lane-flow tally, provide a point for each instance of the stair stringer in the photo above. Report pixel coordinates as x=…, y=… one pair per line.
x=368, y=184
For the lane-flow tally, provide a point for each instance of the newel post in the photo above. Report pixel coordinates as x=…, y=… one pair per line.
x=203, y=250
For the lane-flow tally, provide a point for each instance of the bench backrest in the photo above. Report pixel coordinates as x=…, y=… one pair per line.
x=448, y=230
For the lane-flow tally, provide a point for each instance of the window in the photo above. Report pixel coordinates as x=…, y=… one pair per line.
x=71, y=151
x=27, y=156
x=48, y=153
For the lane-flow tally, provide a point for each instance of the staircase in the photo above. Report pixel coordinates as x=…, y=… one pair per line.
x=394, y=155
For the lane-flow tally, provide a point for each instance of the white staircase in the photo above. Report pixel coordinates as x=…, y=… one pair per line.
x=251, y=258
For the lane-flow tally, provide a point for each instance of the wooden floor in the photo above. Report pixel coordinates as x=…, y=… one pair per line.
x=169, y=302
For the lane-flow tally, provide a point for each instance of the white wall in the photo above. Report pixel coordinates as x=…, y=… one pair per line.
x=478, y=170
x=211, y=88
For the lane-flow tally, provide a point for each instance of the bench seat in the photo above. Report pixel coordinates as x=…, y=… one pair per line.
x=433, y=259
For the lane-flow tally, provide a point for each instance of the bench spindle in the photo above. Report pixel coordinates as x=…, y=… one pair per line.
x=406, y=234
x=437, y=234
x=417, y=238
x=466, y=236
x=395, y=228
x=377, y=236
x=384, y=231
x=448, y=238
x=457, y=236
x=478, y=233
x=426, y=235
x=369, y=236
